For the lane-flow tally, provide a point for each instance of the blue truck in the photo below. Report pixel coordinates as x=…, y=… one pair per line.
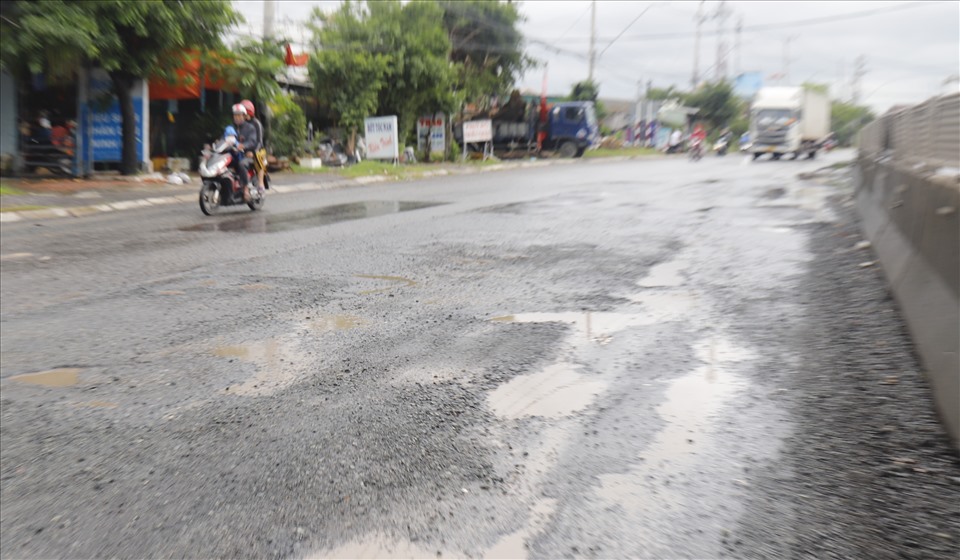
x=569, y=128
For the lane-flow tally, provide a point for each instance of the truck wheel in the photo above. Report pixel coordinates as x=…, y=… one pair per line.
x=756, y=156
x=568, y=150
x=776, y=156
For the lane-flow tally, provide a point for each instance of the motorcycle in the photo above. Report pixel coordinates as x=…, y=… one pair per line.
x=696, y=150
x=221, y=186
x=721, y=146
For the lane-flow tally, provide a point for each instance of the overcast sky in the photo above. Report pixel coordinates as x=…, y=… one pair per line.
x=910, y=48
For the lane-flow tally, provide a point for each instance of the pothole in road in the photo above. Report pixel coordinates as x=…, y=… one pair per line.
x=271, y=223
x=61, y=377
x=395, y=280
x=692, y=402
x=333, y=323
x=664, y=275
x=378, y=546
x=555, y=392
x=277, y=360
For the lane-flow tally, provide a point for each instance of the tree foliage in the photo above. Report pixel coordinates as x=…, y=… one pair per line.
x=717, y=104
x=847, y=119
x=388, y=58
x=486, y=45
x=289, y=125
x=129, y=40
x=251, y=66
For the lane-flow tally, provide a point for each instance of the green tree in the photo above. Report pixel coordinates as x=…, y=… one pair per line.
x=717, y=104
x=663, y=94
x=847, y=119
x=588, y=91
x=129, y=40
x=403, y=52
x=486, y=46
x=819, y=88
x=289, y=125
x=252, y=67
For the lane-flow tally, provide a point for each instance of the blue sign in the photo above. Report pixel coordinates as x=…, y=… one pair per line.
x=106, y=132
x=106, y=124
x=748, y=84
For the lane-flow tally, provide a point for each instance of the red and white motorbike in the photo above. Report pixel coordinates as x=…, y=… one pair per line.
x=221, y=186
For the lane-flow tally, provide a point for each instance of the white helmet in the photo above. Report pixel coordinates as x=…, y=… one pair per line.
x=239, y=109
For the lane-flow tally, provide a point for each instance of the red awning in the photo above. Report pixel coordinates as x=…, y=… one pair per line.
x=295, y=59
x=188, y=82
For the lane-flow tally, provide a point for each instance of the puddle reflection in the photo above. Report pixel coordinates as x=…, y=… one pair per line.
x=269, y=223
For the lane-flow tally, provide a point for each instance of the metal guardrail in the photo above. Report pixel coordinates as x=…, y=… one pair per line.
x=928, y=133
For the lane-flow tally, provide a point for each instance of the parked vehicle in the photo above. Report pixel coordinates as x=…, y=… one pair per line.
x=568, y=128
x=220, y=185
x=788, y=120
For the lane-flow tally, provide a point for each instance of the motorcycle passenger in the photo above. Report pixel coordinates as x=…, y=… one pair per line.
x=258, y=152
x=247, y=133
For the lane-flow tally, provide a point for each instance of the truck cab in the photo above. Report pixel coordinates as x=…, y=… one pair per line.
x=573, y=128
x=786, y=120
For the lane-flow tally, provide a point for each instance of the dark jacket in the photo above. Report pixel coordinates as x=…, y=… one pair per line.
x=249, y=136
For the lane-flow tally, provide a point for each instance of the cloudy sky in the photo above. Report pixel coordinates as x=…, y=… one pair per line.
x=909, y=48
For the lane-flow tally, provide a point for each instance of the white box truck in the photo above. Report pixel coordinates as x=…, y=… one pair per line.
x=788, y=120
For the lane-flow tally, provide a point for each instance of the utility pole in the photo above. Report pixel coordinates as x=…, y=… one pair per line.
x=699, y=19
x=593, y=39
x=739, y=67
x=269, y=16
x=786, y=56
x=859, y=70
x=721, y=15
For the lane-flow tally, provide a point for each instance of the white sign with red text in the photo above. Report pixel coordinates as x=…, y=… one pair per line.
x=477, y=131
x=381, y=137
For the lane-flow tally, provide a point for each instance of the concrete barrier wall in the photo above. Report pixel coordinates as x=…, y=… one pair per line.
x=909, y=212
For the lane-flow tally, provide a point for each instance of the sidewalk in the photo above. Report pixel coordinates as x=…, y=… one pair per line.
x=40, y=199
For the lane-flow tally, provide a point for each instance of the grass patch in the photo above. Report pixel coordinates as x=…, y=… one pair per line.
x=619, y=152
x=23, y=208
x=6, y=189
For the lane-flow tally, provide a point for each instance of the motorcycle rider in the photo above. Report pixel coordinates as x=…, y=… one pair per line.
x=258, y=153
x=698, y=137
x=247, y=135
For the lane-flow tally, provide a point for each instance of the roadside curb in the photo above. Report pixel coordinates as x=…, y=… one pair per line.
x=82, y=211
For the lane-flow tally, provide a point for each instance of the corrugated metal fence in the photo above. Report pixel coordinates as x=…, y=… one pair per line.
x=927, y=133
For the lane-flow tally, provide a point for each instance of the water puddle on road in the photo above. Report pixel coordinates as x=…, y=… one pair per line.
x=333, y=323
x=664, y=275
x=394, y=279
x=61, y=377
x=288, y=221
x=278, y=363
x=515, y=545
x=591, y=327
x=379, y=546
x=555, y=392
x=692, y=403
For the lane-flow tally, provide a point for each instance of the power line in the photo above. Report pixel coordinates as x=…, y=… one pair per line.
x=783, y=25
x=627, y=27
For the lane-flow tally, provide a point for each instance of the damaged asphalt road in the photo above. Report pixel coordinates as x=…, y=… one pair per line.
x=601, y=359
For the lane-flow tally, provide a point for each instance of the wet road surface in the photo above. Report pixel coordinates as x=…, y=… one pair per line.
x=652, y=358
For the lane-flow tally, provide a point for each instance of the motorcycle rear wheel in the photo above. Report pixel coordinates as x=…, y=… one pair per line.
x=209, y=199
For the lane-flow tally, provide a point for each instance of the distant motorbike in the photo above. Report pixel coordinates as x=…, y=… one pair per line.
x=221, y=186
x=721, y=146
x=696, y=150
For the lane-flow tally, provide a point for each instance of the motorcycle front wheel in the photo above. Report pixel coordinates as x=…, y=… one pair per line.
x=209, y=199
